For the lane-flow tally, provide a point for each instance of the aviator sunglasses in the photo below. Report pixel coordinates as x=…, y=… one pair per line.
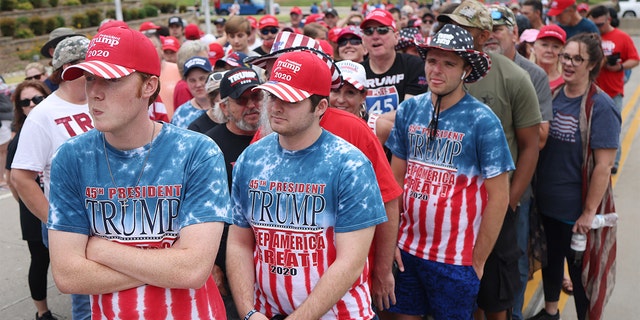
x=380, y=30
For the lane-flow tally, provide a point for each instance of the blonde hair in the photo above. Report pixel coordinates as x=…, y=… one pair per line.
x=35, y=65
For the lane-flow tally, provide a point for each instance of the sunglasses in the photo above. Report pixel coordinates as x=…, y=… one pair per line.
x=352, y=41
x=36, y=77
x=353, y=23
x=429, y=21
x=380, y=30
x=24, y=103
x=216, y=76
x=256, y=96
x=266, y=31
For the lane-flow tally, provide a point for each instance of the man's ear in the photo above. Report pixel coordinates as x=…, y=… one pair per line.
x=150, y=86
x=322, y=106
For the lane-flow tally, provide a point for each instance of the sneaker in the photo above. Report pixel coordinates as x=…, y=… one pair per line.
x=543, y=315
x=46, y=316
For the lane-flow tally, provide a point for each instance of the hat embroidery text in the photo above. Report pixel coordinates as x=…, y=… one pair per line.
x=468, y=12
x=110, y=40
x=291, y=65
x=200, y=62
x=244, y=75
x=444, y=39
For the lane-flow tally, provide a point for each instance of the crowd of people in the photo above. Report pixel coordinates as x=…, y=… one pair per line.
x=394, y=163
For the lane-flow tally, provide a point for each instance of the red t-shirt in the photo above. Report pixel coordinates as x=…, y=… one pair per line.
x=615, y=42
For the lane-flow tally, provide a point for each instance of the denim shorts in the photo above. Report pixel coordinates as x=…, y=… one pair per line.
x=441, y=290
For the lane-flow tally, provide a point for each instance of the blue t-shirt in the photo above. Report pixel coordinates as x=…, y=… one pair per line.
x=184, y=182
x=585, y=25
x=559, y=173
x=185, y=115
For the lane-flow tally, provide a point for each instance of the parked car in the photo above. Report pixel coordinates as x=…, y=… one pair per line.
x=245, y=7
x=629, y=8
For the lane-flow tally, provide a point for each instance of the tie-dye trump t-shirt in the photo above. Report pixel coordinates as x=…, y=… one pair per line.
x=296, y=202
x=444, y=193
x=183, y=183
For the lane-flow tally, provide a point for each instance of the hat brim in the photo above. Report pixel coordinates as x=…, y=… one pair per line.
x=237, y=92
x=284, y=91
x=101, y=69
x=555, y=11
x=355, y=83
x=448, y=18
x=261, y=62
x=44, y=51
x=479, y=61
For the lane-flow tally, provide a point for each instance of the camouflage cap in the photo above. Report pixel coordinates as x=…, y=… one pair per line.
x=502, y=15
x=470, y=13
x=69, y=50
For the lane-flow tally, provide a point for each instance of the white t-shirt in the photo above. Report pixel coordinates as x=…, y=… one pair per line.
x=48, y=126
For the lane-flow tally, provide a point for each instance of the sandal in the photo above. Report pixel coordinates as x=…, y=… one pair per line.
x=567, y=286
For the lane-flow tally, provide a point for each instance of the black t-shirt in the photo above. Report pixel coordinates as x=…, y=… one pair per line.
x=230, y=144
x=202, y=124
x=386, y=91
x=259, y=51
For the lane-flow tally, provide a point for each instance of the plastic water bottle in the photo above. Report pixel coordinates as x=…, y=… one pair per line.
x=604, y=220
x=578, y=245
x=579, y=241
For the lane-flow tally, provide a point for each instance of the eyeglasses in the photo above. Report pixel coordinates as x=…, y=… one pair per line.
x=24, y=103
x=216, y=76
x=575, y=60
x=380, y=30
x=256, y=96
x=353, y=41
x=36, y=77
x=266, y=31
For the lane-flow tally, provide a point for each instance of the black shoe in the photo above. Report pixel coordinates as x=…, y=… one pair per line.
x=614, y=170
x=46, y=316
x=543, y=315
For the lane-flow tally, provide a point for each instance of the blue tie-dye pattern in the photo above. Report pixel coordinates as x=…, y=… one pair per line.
x=185, y=114
x=185, y=163
x=482, y=147
x=353, y=199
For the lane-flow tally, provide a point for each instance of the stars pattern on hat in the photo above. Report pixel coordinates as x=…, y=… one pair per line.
x=456, y=39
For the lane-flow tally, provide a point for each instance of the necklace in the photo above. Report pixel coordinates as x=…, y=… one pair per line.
x=125, y=202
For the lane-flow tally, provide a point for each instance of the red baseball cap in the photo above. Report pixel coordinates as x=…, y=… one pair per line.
x=316, y=17
x=109, y=55
x=110, y=23
x=382, y=16
x=298, y=75
x=170, y=43
x=326, y=47
x=552, y=31
x=148, y=25
x=268, y=21
x=253, y=22
x=333, y=34
x=192, y=32
x=296, y=10
x=558, y=6
x=215, y=53
x=350, y=30
x=583, y=7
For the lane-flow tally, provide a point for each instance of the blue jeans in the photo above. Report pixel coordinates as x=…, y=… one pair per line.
x=522, y=232
x=618, y=102
x=80, y=303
